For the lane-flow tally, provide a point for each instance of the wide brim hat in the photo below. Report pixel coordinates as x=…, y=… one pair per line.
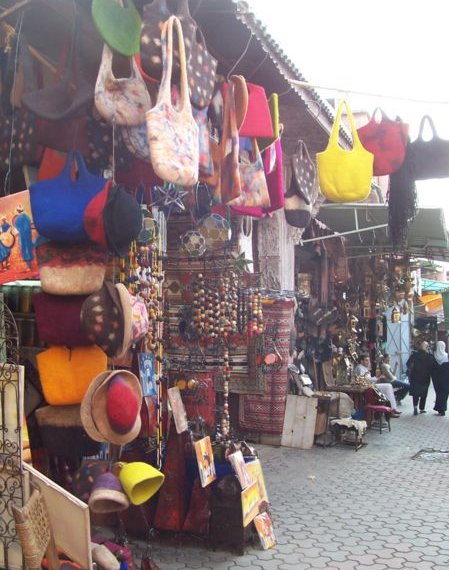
x=93, y=408
x=119, y=25
x=107, y=495
x=105, y=318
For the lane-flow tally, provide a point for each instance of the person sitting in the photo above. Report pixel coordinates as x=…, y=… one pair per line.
x=388, y=375
x=363, y=368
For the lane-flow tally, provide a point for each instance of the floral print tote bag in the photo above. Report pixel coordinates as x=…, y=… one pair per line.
x=122, y=101
x=173, y=132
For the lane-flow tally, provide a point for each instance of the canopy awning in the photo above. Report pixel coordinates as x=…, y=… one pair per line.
x=433, y=285
x=365, y=227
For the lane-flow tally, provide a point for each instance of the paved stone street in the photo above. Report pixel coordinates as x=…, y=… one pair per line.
x=338, y=509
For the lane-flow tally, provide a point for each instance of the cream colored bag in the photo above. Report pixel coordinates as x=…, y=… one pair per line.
x=121, y=101
x=173, y=133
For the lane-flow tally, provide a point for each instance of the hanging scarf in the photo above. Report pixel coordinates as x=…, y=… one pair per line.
x=440, y=353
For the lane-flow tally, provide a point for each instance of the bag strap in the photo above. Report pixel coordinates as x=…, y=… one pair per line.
x=302, y=150
x=75, y=156
x=427, y=118
x=199, y=38
x=384, y=116
x=106, y=65
x=164, y=95
x=69, y=69
x=183, y=9
x=229, y=120
x=333, y=139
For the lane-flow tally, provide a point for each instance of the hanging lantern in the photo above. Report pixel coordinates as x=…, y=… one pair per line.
x=395, y=315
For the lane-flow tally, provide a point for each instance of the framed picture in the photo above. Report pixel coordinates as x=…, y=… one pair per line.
x=238, y=463
x=205, y=460
x=178, y=409
x=17, y=238
x=264, y=527
x=254, y=468
x=147, y=374
x=250, y=503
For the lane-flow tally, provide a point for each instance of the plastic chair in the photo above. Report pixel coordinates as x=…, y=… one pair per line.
x=376, y=413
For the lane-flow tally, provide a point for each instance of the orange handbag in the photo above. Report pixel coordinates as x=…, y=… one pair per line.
x=65, y=373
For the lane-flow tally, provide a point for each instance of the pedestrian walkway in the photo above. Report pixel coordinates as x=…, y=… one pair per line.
x=338, y=509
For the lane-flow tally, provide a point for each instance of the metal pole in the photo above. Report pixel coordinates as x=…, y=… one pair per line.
x=342, y=234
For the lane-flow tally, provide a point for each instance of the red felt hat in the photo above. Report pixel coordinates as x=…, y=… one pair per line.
x=122, y=405
x=93, y=216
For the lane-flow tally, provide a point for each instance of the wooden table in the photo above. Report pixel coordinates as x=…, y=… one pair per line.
x=357, y=393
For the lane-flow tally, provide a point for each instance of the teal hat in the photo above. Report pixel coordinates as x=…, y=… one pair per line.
x=118, y=22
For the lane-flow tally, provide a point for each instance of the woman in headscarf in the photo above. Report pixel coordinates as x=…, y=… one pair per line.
x=419, y=367
x=440, y=378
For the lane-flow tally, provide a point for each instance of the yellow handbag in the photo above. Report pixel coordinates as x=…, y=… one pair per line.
x=65, y=373
x=345, y=175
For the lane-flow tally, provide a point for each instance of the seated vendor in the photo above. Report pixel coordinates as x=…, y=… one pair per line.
x=401, y=387
x=363, y=368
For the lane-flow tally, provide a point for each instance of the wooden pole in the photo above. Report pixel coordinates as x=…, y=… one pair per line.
x=13, y=9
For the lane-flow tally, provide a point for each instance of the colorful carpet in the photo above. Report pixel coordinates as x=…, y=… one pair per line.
x=265, y=414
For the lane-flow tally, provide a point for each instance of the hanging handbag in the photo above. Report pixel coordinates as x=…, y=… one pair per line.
x=58, y=204
x=68, y=133
x=118, y=22
x=201, y=72
x=58, y=319
x=65, y=373
x=273, y=103
x=300, y=181
x=60, y=101
x=154, y=15
x=121, y=101
x=71, y=269
x=274, y=175
x=101, y=138
x=303, y=170
x=240, y=97
x=345, y=175
x=205, y=162
x=136, y=141
x=257, y=122
x=173, y=133
x=254, y=189
x=225, y=179
x=18, y=129
x=387, y=140
x=430, y=159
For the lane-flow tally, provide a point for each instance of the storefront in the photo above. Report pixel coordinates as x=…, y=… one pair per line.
x=165, y=255
x=147, y=324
